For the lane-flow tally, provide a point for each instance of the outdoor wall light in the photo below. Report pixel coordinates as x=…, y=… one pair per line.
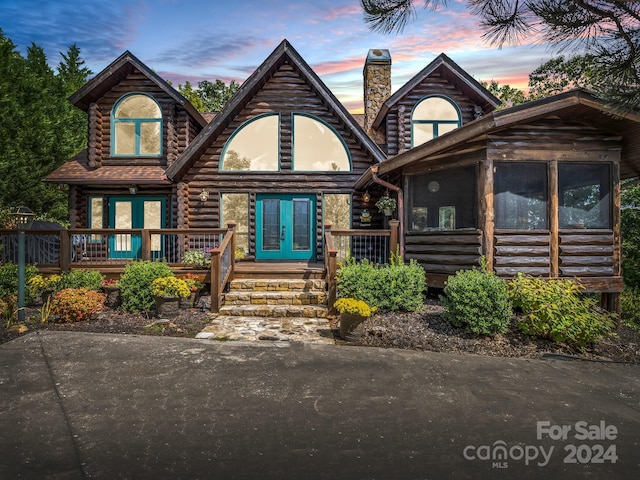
x=366, y=197
x=133, y=190
x=204, y=195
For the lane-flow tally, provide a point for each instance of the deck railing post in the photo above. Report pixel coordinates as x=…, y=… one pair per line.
x=145, y=244
x=65, y=250
x=215, y=281
x=394, y=226
x=331, y=264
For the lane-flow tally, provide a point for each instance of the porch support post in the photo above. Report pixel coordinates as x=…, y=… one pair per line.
x=231, y=226
x=65, y=250
x=146, y=244
x=331, y=263
x=554, y=206
x=215, y=281
x=485, y=189
x=613, y=298
x=393, y=240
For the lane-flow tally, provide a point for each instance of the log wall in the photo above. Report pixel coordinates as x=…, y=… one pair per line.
x=521, y=251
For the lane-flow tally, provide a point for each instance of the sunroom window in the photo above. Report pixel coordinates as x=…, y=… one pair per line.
x=317, y=146
x=432, y=117
x=253, y=146
x=444, y=200
x=584, y=195
x=137, y=126
x=520, y=195
x=235, y=207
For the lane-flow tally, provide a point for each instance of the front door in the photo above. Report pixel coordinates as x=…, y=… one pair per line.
x=285, y=229
x=135, y=212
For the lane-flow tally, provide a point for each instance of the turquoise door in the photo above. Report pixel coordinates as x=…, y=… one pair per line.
x=135, y=212
x=285, y=229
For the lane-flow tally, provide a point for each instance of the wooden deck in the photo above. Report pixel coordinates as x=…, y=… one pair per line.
x=279, y=269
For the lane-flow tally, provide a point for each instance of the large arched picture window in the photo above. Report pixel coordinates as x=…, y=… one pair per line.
x=432, y=117
x=136, y=126
x=254, y=146
x=317, y=146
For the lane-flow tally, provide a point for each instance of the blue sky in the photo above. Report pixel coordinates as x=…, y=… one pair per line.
x=227, y=39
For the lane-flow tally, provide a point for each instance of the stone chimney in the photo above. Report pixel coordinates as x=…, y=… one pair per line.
x=377, y=86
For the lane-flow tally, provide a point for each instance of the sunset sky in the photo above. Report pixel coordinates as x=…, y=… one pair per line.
x=211, y=39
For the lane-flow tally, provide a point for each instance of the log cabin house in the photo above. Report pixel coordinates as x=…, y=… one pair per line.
x=533, y=188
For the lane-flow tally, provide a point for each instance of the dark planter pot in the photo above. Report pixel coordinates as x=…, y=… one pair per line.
x=351, y=327
x=167, y=307
x=113, y=299
x=191, y=301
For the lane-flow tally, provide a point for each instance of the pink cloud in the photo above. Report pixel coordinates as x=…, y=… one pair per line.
x=330, y=67
x=344, y=11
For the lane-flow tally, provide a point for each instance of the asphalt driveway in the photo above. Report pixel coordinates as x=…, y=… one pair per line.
x=78, y=405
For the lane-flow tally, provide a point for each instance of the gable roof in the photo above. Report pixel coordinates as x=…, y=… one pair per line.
x=454, y=74
x=576, y=105
x=117, y=71
x=283, y=53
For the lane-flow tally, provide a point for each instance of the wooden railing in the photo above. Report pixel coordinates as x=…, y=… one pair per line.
x=110, y=250
x=374, y=245
x=222, y=266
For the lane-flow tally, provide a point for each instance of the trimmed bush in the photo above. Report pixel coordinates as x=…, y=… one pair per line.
x=477, y=301
x=77, y=304
x=556, y=310
x=630, y=306
x=9, y=280
x=91, y=279
x=392, y=287
x=135, y=284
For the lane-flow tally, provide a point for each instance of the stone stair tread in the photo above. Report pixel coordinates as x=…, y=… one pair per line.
x=309, y=311
x=277, y=284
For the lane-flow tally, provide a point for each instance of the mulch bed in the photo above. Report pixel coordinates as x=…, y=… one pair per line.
x=427, y=330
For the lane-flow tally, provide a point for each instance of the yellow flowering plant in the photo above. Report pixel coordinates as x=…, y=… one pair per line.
x=39, y=284
x=170, y=287
x=354, y=307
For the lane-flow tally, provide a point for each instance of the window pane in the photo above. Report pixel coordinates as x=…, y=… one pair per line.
x=125, y=138
x=150, y=138
x=301, y=224
x=96, y=213
x=123, y=220
x=152, y=212
x=337, y=210
x=443, y=200
x=138, y=106
x=446, y=127
x=520, y=195
x=422, y=132
x=584, y=195
x=235, y=207
x=254, y=146
x=435, y=108
x=271, y=224
x=317, y=147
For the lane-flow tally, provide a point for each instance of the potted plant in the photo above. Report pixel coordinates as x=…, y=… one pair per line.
x=43, y=287
x=195, y=258
x=111, y=288
x=386, y=204
x=167, y=292
x=195, y=287
x=352, y=313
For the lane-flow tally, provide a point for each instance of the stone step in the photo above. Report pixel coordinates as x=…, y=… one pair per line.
x=297, y=311
x=277, y=285
x=308, y=330
x=246, y=297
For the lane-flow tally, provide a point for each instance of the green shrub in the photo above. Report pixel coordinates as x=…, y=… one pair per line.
x=91, y=279
x=556, y=310
x=630, y=306
x=9, y=280
x=477, y=301
x=135, y=284
x=77, y=304
x=392, y=287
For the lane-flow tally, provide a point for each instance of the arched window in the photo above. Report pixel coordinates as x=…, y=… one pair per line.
x=254, y=146
x=432, y=117
x=136, y=126
x=317, y=146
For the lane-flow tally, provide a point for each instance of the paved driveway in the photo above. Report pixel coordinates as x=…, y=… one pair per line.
x=77, y=405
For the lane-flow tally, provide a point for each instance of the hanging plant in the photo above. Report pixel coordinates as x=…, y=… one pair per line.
x=386, y=203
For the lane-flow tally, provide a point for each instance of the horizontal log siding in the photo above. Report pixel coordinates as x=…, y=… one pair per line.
x=433, y=85
x=285, y=92
x=553, y=140
x=586, y=253
x=444, y=253
x=184, y=128
x=524, y=251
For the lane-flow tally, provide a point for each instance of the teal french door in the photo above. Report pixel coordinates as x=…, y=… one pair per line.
x=135, y=212
x=285, y=227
